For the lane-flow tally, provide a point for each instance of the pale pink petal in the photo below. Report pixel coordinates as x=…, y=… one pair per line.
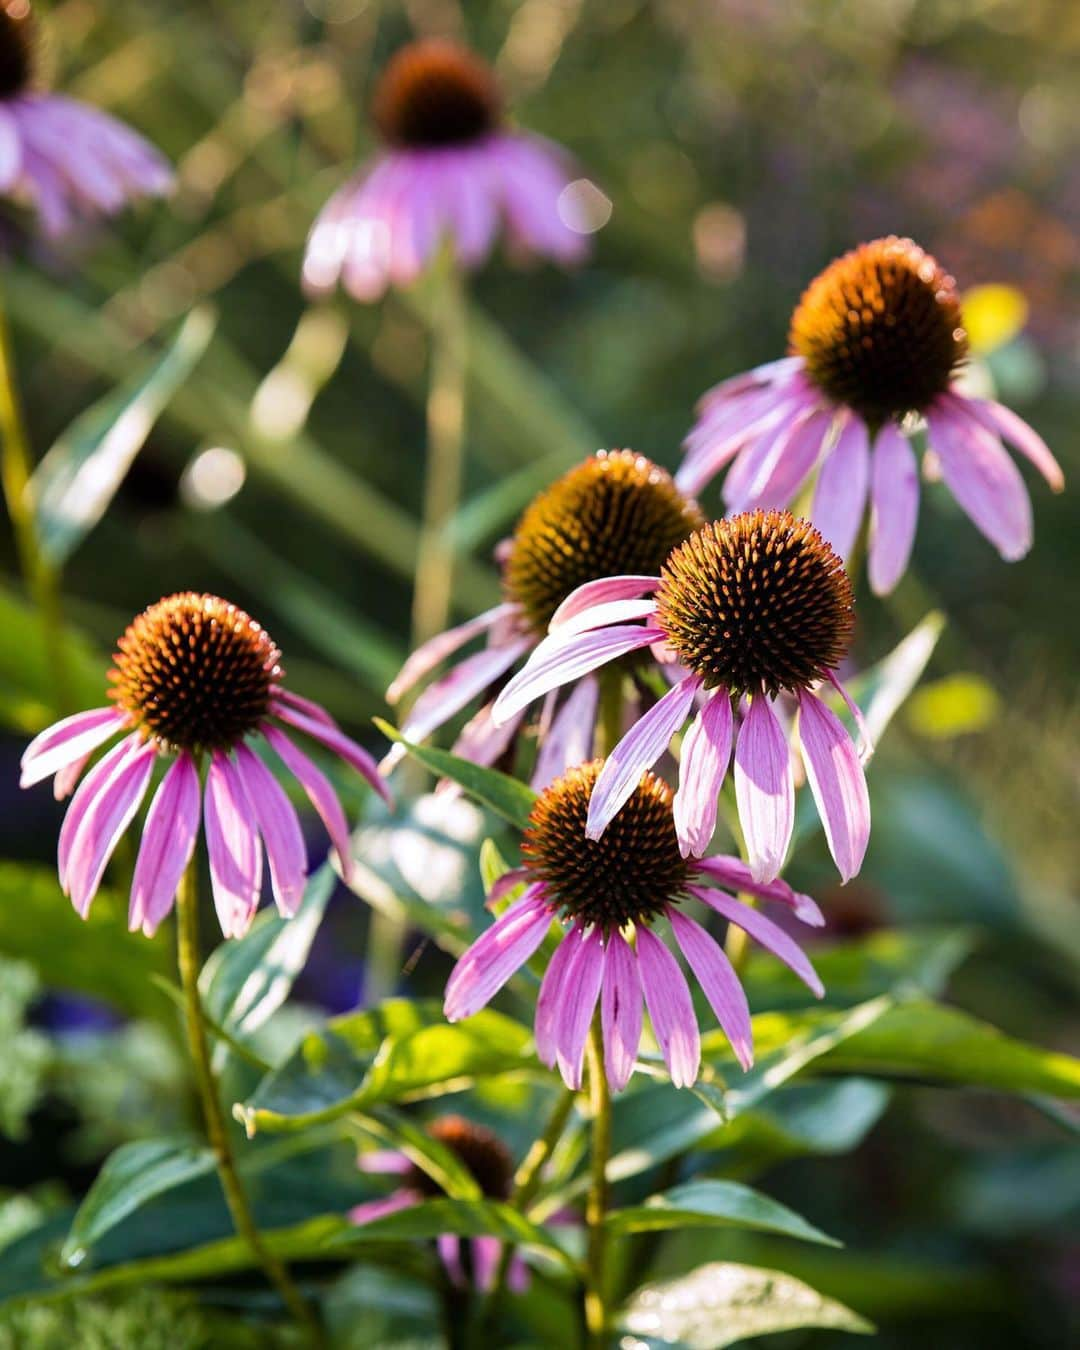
x=497, y=954
x=383, y=1162
x=503, y=885
x=65, y=780
x=866, y=745
x=763, y=930
x=371, y=1210
x=448, y=1246
x=600, y=593
x=67, y=741
x=581, y=988
x=671, y=1008
x=518, y=1277
x=706, y=750
x=168, y=843
x=764, y=789
x=718, y=981
x=638, y=751
x=734, y=873
x=232, y=843
x=894, y=498
x=433, y=652
x=621, y=1011
x=1004, y=422
x=553, y=995
x=446, y=697
x=89, y=790
x=10, y=150
x=335, y=740
x=780, y=482
x=604, y=615
x=280, y=829
x=104, y=822
x=985, y=481
x=840, y=495
x=481, y=741
x=307, y=706
x=837, y=781
x=319, y=790
x=569, y=739
x=486, y=1251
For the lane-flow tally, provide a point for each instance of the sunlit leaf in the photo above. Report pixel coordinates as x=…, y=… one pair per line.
x=957, y=705
x=706, y=1203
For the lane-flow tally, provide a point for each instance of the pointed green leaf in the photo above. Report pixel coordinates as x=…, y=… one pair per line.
x=706, y=1203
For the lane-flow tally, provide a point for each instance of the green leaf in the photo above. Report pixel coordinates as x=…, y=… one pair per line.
x=882, y=690
x=723, y=1303
x=705, y=1203
x=503, y=794
x=27, y=1053
x=79, y=476
x=131, y=1177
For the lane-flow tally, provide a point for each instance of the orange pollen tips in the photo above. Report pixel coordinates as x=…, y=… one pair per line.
x=481, y=1150
x=626, y=876
x=616, y=513
x=17, y=39
x=880, y=330
x=195, y=672
x=756, y=602
x=436, y=93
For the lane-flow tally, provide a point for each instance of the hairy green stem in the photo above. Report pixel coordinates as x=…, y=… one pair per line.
x=596, y=1203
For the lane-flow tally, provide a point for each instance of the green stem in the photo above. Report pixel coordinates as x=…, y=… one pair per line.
x=187, y=929
x=596, y=1204
x=610, y=711
x=16, y=467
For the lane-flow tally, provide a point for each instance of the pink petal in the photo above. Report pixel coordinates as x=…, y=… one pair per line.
x=66, y=742
x=837, y=781
x=581, y=985
x=894, y=497
x=10, y=151
x=307, y=706
x=280, y=829
x=985, y=481
x=638, y=751
x=718, y=981
x=383, y=1162
x=497, y=954
x=448, y=1246
x=671, y=1009
x=104, y=822
x=339, y=743
x=706, y=749
x=433, y=652
x=780, y=482
x=319, y=790
x=569, y=739
x=232, y=842
x=735, y=874
x=601, y=592
x=553, y=995
x=486, y=1251
x=481, y=741
x=764, y=790
x=840, y=495
x=557, y=661
x=1004, y=422
x=168, y=842
x=66, y=779
x=441, y=700
x=604, y=615
x=371, y=1210
x=89, y=790
x=763, y=930
x=621, y=1011
x=505, y=884
x=518, y=1277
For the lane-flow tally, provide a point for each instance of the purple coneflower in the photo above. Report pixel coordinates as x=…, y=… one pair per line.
x=70, y=161
x=611, y=891
x=194, y=678
x=471, y=1263
x=745, y=610
x=877, y=343
x=614, y=514
x=450, y=170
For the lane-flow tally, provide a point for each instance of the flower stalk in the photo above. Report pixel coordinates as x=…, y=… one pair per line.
x=595, y=1298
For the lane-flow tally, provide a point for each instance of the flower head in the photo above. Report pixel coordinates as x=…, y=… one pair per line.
x=68, y=160
x=450, y=170
x=615, y=514
x=195, y=679
x=744, y=610
x=878, y=344
x=608, y=895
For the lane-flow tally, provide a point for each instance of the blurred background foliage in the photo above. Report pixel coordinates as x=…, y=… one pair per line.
x=737, y=146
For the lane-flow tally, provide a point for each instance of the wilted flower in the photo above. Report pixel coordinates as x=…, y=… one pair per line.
x=67, y=159
x=745, y=609
x=614, y=514
x=450, y=170
x=611, y=892
x=194, y=678
x=487, y=1158
x=878, y=342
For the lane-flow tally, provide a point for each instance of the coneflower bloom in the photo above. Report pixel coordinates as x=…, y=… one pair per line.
x=608, y=895
x=451, y=170
x=877, y=345
x=614, y=514
x=67, y=159
x=195, y=680
x=470, y=1263
x=745, y=610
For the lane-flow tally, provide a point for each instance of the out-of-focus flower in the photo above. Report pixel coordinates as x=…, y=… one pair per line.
x=194, y=678
x=452, y=170
x=67, y=159
x=472, y=1263
x=745, y=610
x=611, y=892
x=614, y=514
x=878, y=342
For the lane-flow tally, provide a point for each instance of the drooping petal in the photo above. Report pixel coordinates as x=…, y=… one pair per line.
x=433, y=652
x=718, y=981
x=553, y=995
x=518, y=1277
x=894, y=497
x=984, y=480
x=383, y=1162
x=88, y=792
x=515, y=877
x=603, y=591
x=339, y=743
x=482, y=742
x=764, y=789
x=569, y=739
x=706, y=750
x=104, y=822
x=486, y=1251
x=497, y=954
x=837, y=781
x=763, y=930
x=168, y=842
x=996, y=417
x=280, y=829
x=371, y=1210
x=735, y=874
x=604, y=614
x=671, y=1009
x=10, y=151
x=620, y=1011
x=557, y=661
x=307, y=706
x=638, y=751
x=446, y=697
x=232, y=843
x=319, y=790
x=448, y=1246
x=840, y=495
x=781, y=481
x=66, y=742
x=581, y=988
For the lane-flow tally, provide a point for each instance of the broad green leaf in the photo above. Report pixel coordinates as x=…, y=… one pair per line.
x=723, y=1303
x=79, y=476
x=882, y=690
x=131, y=1177
x=705, y=1203
x=442, y=1164
x=500, y=792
